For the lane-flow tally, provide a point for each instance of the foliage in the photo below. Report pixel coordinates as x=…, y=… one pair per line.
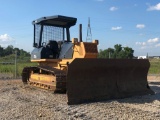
x=8, y=54
x=11, y=50
x=117, y=52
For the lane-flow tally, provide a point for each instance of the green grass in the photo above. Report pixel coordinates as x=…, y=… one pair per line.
x=154, y=66
x=22, y=61
x=11, y=68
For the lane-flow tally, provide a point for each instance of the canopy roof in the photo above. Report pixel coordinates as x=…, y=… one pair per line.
x=56, y=20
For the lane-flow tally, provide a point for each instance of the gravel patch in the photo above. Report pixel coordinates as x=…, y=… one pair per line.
x=26, y=102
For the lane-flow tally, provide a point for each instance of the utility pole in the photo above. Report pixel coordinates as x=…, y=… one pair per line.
x=89, y=33
x=15, y=64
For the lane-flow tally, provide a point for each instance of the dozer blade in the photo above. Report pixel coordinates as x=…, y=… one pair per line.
x=90, y=80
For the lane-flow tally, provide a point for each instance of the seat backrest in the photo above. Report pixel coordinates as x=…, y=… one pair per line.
x=53, y=45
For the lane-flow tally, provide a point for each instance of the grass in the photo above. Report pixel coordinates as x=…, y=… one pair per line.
x=154, y=66
x=10, y=69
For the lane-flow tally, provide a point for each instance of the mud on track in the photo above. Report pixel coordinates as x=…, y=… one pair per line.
x=26, y=102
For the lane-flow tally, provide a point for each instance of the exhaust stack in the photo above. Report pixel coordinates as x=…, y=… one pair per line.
x=80, y=32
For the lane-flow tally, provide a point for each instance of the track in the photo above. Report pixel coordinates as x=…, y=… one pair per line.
x=57, y=84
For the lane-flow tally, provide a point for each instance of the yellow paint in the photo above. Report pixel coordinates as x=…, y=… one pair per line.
x=43, y=78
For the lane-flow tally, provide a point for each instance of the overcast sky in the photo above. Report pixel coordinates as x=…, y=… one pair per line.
x=132, y=23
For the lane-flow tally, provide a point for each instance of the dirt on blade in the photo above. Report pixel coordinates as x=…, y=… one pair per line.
x=26, y=102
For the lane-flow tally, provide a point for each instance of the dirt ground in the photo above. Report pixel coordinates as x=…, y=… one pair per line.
x=29, y=103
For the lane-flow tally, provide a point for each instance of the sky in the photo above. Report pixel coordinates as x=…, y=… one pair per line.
x=131, y=23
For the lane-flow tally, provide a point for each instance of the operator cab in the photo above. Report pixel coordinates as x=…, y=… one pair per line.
x=52, y=37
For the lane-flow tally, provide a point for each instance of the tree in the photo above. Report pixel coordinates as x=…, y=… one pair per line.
x=107, y=53
x=17, y=50
x=117, y=52
x=118, y=48
x=1, y=51
x=8, y=50
x=128, y=52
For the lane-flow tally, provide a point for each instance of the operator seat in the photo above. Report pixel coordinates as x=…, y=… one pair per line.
x=53, y=46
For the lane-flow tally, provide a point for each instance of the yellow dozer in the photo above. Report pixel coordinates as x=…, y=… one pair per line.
x=72, y=66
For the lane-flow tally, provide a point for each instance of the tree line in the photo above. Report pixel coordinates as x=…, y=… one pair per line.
x=117, y=52
x=10, y=50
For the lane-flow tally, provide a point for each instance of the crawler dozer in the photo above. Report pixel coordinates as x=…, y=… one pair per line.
x=72, y=66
